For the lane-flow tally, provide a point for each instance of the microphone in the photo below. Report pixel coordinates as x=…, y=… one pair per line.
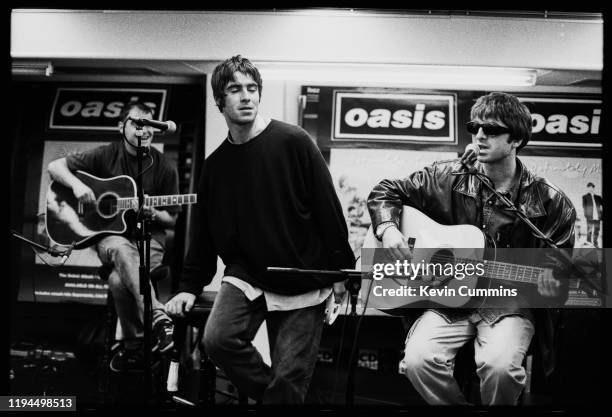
x=167, y=127
x=469, y=156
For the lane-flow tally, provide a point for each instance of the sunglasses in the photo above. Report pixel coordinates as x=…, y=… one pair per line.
x=489, y=129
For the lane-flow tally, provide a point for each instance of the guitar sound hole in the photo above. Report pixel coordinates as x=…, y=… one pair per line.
x=439, y=260
x=443, y=257
x=107, y=205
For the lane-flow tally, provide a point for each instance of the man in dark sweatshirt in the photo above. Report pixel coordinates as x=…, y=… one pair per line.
x=266, y=199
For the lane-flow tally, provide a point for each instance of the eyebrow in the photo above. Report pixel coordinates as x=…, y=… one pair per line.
x=237, y=84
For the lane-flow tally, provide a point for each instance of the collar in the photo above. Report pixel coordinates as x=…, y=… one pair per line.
x=529, y=199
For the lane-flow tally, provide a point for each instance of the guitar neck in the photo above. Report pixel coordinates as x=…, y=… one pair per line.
x=513, y=272
x=517, y=273
x=520, y=273
x=510, y=272
x=157, y=201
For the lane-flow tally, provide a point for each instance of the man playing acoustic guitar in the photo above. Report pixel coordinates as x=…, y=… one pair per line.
x=160, y=177
x=500, y=126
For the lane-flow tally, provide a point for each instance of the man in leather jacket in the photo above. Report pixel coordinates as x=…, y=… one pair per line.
x=500, y=126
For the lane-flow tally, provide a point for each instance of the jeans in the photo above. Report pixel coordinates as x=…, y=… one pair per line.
x=124, y=282
x=294, y=338
x=499, y=350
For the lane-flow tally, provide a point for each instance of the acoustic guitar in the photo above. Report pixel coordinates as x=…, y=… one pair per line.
x=70, y=222
x=433, y=243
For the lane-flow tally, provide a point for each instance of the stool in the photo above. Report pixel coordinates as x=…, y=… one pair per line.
x=196, y=318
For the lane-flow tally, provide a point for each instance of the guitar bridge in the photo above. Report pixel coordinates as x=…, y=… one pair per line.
x=411, y=242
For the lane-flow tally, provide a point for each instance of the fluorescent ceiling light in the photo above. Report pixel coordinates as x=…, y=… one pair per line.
x=399, y=74
x=32, y=68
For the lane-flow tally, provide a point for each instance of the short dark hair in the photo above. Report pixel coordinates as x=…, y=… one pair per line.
x=145, y=108
x=509, y=110
x=591, y=185
x=224, y=73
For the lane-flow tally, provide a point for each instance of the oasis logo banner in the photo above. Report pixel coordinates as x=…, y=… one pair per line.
x=564, y=122
x=394, y=117
x=99, y=108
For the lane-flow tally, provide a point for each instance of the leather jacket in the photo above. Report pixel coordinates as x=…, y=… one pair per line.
x=454, y=199
x=450, y=199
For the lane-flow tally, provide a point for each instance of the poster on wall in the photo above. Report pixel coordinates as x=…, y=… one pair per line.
x=394, y=117
x=356, y=171
x=563, y=122
x=572, y=175
x=99, y=108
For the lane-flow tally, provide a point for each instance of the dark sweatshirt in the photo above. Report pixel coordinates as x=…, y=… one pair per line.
x=268, y=202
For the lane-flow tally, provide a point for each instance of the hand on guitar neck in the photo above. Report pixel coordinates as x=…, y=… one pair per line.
x=150, y=212
x=548, y=286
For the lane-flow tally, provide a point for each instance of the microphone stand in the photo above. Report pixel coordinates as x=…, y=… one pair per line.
x=353, y=286
x=144, y=239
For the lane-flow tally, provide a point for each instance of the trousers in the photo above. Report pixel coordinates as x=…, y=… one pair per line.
x=294, y=338
x=499, y=349
x=124, y=281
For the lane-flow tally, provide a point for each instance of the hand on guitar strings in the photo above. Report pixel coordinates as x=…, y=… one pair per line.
x=436, y=280
x=83, y=193
x=397, y=244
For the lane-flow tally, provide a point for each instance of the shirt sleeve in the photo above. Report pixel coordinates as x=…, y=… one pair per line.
x=90, y=161
x=200, y=264
x=327, y=209
x=388, y=197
